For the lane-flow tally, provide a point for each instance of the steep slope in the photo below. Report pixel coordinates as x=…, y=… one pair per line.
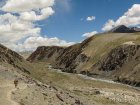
x=71, y=57
x=121, y=64
x=85, y=57
x=48, y=54
x=9, y=57
x=29, y=91
x=64, y=58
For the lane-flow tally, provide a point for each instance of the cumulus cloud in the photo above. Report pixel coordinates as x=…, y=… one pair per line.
x=89, y=34
x=19, y=31
x=32, y=16
x=13, y=29
x=130, y=18
x=91, y=18
x=26, y=5
x=109, y=25
x=32, y=43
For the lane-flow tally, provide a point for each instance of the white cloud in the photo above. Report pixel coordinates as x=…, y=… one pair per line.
x=91, y=18
x=130, y=18
x=12, y=29
x=109, y=25
x=32, y=16
x=22, y=35
x=32, y=43
x=89, y=34
x=19, y=31
x=26, y=5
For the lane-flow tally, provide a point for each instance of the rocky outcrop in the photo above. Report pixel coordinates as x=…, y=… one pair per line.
x=119, y=56
x=70, y=57
x=43, y=53
x=122, y=65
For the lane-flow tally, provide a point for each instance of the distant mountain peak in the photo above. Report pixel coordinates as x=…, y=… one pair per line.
x=125, y=29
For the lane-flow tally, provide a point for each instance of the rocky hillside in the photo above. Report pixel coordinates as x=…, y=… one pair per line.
x=44, y=85
x=64, y=58
x=9, y=57
x=121, y=64
x=92, y=56
x=48, y=54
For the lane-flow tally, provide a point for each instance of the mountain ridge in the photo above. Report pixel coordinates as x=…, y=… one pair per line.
x=12, y=58
x=83, y=57
x=124, y=29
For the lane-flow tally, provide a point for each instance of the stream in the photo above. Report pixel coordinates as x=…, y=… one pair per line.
x=91, y=78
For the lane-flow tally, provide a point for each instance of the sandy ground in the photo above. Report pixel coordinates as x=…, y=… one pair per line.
x=6, y=91
x=7, y=86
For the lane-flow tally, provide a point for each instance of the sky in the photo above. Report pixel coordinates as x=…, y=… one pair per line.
x=27, y=24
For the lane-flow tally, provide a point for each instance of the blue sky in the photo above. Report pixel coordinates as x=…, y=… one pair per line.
x=27, y=24
x=67, y=24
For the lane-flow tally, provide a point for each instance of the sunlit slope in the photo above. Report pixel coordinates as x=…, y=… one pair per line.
x=102, y=44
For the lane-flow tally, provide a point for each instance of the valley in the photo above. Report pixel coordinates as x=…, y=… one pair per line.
x=116, y=58
x=69, y=52
x=87, y=73
x=46, y=85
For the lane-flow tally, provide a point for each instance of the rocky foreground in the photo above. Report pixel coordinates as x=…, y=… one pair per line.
x=30, y=91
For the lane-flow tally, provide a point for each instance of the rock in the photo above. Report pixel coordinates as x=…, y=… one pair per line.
x=78, y=102
x=121, y=64
x=59, y=97
x=97, y=92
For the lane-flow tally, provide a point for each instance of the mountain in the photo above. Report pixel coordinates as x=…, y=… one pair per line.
x=89, y=56
x=121, y=64
x=39, y=83
x=9, y=57
x=124, y=29
x=46, y=54
x=64, y=58
x=29, y=90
